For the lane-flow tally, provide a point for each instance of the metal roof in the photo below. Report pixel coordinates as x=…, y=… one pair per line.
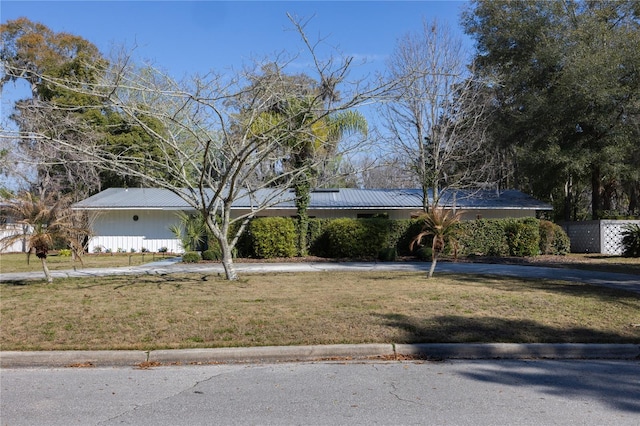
x=343, y=198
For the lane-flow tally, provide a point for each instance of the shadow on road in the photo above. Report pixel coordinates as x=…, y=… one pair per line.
x=606, y=381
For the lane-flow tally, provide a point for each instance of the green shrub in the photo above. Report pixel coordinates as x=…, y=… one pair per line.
x=388, y=254
x=424, y=253
x=64, y=252
x=631, y=240
x=318, y=238
x=357, y=238
x=553, y=239
x=273, y=237
x=512, y=237
x=483, y=237
x=523, y=237
x=401, y=233
x=212, y=254
x=191, y=257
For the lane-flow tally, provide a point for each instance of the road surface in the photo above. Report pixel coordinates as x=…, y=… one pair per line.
x=537, y=392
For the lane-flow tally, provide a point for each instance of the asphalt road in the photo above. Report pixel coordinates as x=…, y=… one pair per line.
x=328, y=393
x=481, y=392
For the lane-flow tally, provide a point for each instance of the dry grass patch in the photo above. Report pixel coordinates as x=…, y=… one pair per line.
x=17, y=262
x=190, y=310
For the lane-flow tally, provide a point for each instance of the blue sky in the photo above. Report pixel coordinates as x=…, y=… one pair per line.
x=186, y=37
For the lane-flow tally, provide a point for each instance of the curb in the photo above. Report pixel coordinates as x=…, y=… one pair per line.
x=273, y=354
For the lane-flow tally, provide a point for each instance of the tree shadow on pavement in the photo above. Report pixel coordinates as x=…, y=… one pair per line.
x=607, y=381
x=612, y=383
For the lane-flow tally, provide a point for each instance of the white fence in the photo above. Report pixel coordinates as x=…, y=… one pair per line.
x=597, y=236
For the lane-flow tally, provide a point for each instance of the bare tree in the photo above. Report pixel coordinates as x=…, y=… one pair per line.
x=209, y=135
x=392, y=172
x=437, y=117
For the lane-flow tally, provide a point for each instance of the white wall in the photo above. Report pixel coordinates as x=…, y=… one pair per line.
x=8, y=230
x=117, y=229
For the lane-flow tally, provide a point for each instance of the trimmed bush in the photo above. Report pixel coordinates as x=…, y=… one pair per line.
x=388, y=254
x=523, y=237
x=212, y=254
x=401, y=233
x=371, y=238
x=553, y=239
x=483, y=237
x=512, y=237
x=318, y=238
x=424, y=253
x=357, y=238
x=273, y=237
x=191, y=257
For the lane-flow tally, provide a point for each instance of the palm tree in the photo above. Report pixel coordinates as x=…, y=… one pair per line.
x=191, y=231
x=441, y=225
x=309, y=134
x=45, y=222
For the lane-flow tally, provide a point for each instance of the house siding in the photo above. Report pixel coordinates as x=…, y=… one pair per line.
x=116, y=230
x=8, y=230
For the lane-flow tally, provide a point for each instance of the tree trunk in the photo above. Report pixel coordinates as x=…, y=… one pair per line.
x=596, y=186
x=227, y=260
x=434, y=260
x=568, y=199
x=633, y=198
x=45, y=268
x=303, y=228
x=302, y=190
x=435, y=250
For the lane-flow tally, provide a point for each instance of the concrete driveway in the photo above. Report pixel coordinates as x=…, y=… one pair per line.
x=168, y=266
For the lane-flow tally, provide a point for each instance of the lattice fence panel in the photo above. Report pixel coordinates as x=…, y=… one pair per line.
x=611, y=235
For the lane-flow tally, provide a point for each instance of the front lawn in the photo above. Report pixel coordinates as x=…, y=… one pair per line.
x=194, y=310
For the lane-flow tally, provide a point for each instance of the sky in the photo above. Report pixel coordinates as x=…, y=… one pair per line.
x=186, y=37
x=189, y=37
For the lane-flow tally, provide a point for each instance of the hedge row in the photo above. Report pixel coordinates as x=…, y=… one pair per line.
x=383, y=238
x=512, y=237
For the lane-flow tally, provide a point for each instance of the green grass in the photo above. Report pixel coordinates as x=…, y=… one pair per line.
x=191, y=311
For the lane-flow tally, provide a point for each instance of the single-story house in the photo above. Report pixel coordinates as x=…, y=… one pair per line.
x=137, y=218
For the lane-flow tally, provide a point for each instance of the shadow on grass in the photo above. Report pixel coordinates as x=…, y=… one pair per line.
x=517, y=284
x=457, y=329
x=612, y=383
x=18, y=283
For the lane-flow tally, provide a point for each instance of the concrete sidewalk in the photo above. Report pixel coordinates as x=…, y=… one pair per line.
x=273, y=354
